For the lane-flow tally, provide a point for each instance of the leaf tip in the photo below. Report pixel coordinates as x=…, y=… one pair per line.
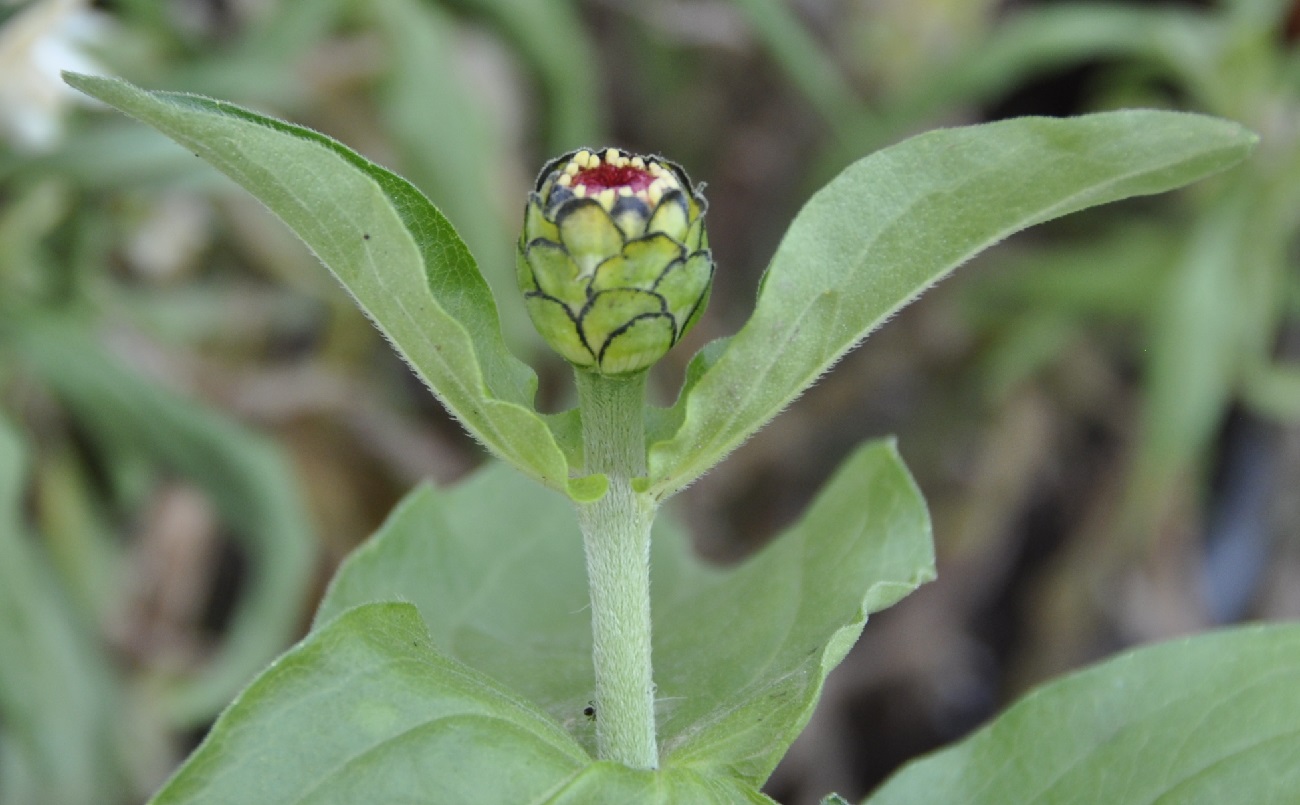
x=92, y=85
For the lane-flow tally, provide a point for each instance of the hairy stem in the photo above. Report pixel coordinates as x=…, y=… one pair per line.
x=616, y=534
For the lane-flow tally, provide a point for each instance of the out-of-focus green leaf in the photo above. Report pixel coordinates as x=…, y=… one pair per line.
x=1037, y=40
x=808, y=66
x=389, y=246
x=1110, y=274
x=1209, y=719
x=84, y=552
x=24, y=221
x=266, y=66
x=1040, y=301
x=901, y=219
x=740, y=655
x=448, y=145
x=249, y=482
x=58, y=703
x=116, y=156
x=1025, y=344
x=1194, y=363
x=549, y=34
x=1274, y=391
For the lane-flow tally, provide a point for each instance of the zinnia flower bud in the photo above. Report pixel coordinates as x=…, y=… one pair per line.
x=613, y=262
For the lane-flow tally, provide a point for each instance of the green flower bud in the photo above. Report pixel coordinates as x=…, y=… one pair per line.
x=613, y=262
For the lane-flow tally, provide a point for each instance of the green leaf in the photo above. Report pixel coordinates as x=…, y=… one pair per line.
x=502, y=587
x=740, y=655
x=249, y=481
x=1195, y=358
x=449, y=145
x=386, y=243
x=812, y=70
x=59, y=709
x=901, y=219
x=364, y=710
x=549, y=35
x=1039, y=40
x=614, y=782
x=1274, y=391
x=1208, y=719
x=662, y=423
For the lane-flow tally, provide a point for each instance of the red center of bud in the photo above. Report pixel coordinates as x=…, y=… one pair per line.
x=606, y=175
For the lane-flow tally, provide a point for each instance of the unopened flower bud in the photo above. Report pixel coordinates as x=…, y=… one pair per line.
x=613, y=261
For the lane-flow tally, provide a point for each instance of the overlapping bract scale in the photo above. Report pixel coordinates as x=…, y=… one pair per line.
x=613, y=261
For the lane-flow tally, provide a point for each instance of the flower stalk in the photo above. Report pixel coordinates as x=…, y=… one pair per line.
x=615, y=268
x=616, y=538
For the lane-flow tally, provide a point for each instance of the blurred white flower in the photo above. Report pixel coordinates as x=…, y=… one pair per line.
x=36, y=43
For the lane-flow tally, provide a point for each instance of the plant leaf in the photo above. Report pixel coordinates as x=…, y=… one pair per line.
x=364, y=710
x=449, y=146
x=614, y=782
x=808, y=66
x=59, y=709
x=503, y=588
x=740, y=655
x=249, y=481
x=1207, y=719
x=1194, y=357
x=549, y=34
x=1183, y=43
x=390, y=247
x=899, y=220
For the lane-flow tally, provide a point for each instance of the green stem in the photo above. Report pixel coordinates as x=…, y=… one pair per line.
x=616, y=533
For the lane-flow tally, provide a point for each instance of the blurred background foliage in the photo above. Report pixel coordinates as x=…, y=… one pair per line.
x=196, y=424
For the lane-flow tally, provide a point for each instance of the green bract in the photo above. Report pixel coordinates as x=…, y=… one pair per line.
x=613, y=262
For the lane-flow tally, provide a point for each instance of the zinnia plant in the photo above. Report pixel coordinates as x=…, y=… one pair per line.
x=477, y=650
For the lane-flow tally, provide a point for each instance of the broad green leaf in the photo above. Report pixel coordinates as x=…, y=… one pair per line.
x=390, y=247
x=740, y=655
x=1209, y=719
x=365, y=710
x=901, y=219
x=59, y=710
x=250, y=484
x=496, y=566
